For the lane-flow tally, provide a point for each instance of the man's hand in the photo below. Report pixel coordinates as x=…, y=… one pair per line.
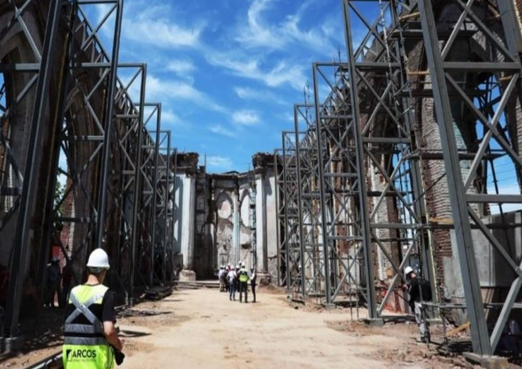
x=110, y=332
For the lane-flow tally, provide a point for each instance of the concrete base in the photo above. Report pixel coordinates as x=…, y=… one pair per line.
x=187, y=276
x=329, y=306
x=487, y=362
x=374, y=322
x=13, y=344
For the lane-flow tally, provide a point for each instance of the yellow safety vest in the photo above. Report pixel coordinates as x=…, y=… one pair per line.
x=243, y=277
x=85, y=346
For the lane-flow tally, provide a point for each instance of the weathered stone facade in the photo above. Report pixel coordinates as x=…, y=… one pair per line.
x=220, y=232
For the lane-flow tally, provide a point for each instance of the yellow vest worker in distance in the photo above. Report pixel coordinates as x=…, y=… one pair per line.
x=243, y=284
x=90, y=320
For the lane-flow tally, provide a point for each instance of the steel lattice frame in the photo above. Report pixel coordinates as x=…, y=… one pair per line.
x=105, y=64
x=291, y=214
x=163, y=214
x=312, y=259
x=148, y=207
x=118, y=150
x=449, y=73
x=342, y=223
x=393, y=216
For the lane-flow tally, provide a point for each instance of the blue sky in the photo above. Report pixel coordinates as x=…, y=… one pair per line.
x=228, y=72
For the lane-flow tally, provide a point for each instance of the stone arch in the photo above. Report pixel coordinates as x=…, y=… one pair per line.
x=224, y=206
x=244, y=208
x=224, y=227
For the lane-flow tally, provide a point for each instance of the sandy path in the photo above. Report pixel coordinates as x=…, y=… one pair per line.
x=204, y=330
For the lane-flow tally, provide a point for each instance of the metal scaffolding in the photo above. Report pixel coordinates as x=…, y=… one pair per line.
x=291, y=214
x=312, y=253
x=97, y=130
x=359, y=158
x=495, y=79
x=392, y=211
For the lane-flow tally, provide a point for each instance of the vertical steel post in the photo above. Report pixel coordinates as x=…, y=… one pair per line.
x=468, y=263
x=166, y=205
x=137, y=184
x=363, y=206
x=51, y=191
x=155, y=192
x=285, y=201
x=109, y=118
x=174, y=176
x=299, y=201
x=322, y=187
x=22, y=242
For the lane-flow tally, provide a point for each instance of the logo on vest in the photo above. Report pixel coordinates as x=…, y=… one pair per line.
x=82, y=355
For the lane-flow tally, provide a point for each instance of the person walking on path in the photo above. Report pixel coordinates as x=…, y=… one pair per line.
x=91, y=339
x=253, y=283
x=243, y=284
x=232, y=278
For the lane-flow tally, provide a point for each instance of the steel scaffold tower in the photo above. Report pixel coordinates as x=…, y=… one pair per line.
x=392, y=214
x=342, y=225
x=104, y=173
x=495, y=79
x=148, y=206
x=312, y=260
x=163, y=213
x=291, y=214
x=21, y=187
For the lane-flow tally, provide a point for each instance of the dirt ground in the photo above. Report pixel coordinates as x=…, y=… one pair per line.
x=203, y=329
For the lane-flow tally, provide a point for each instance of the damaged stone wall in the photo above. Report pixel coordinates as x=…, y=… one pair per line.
x=222, y=219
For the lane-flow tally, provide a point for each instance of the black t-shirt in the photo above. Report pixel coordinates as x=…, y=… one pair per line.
x=105, y=312
x=418, y=285
x=108, y=312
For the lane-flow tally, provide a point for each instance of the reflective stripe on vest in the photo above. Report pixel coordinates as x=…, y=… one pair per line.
x=95, y=328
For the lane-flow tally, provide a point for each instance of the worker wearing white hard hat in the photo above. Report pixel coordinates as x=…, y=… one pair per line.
x=419, y=291
x=91, y=339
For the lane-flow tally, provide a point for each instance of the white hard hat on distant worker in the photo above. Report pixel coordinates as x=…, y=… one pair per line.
x=408, y=270
x=98, y=259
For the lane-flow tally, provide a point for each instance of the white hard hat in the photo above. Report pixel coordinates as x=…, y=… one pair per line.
x=98, y=259
x=408, y=270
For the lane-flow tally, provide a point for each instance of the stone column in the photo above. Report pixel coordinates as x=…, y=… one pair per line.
x=237, y=227
x=188, y=220
x=261, y=223
x=271, y=225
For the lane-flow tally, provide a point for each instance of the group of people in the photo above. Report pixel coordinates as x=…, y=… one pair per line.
x=233, y=279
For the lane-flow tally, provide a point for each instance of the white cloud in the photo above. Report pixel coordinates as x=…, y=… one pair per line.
x=246, y=117
x=152, y=24
x=161, y=89
x=220, y=130
x=170, y=117
x=283, y=73
x=181, y=67
x=220, y=163
x=258, y=33
x=247, y=93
